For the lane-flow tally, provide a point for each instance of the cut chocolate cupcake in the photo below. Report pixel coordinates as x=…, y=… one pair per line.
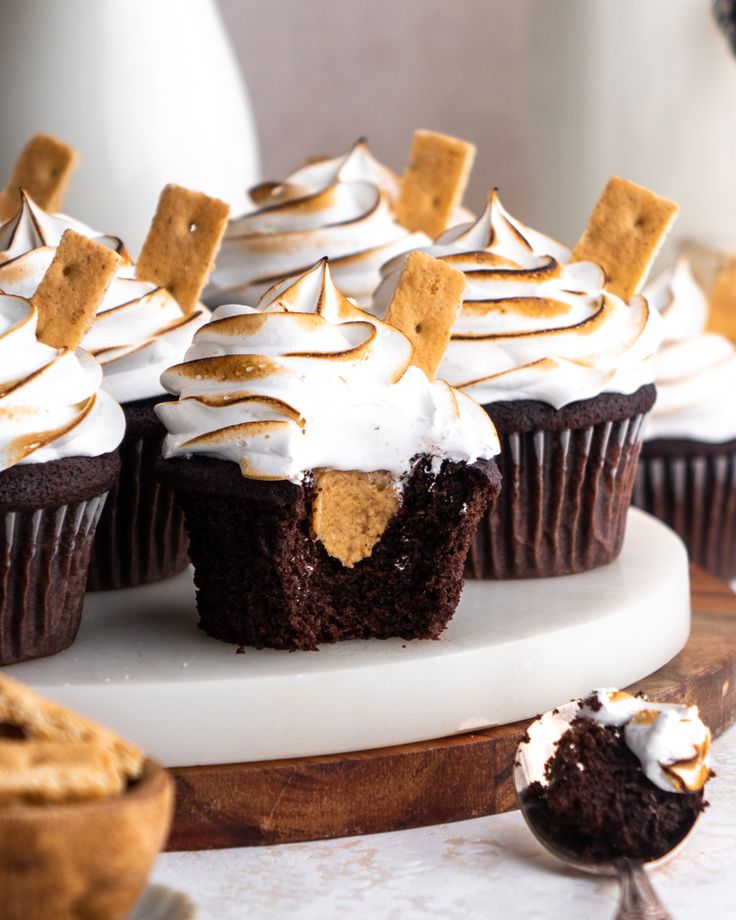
x=330, y=488
x=265, y=581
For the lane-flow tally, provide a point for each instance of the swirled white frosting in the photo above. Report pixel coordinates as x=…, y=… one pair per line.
x=51, y=404
x=535, y=325
x=670, y=740
x=340, y=208
x=695, y=370
x=139, y=330
x=308, y=381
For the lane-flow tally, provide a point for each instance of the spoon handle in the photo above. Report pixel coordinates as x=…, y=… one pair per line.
x=639, y=900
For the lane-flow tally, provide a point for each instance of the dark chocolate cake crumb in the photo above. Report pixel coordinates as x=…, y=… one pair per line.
x=600, y=806
x=593, y=703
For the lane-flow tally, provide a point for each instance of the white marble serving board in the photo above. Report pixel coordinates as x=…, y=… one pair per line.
x=512, y=650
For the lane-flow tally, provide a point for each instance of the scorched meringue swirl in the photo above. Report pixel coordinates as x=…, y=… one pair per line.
x=51, y=404
x=535, y=325
x=307, y=381
x=669, y=739
x=695, y=370
x=340, y=208
x=139, y=330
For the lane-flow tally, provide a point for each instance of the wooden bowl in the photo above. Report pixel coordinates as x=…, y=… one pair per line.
x=83, y=860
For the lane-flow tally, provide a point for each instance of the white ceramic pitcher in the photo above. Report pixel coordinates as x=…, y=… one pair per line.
x=642, y=88
x=149, y=91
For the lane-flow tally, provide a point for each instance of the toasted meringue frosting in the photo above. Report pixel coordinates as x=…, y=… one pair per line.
x=340, y=208
x=695, y=370
x=51, y=403
x=670, y=740
x=535, y=325
x=306, y=381
x=139, y=330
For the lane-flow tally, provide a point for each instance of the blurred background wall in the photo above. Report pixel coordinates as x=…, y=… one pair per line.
x=557, y=94
x=321, y=73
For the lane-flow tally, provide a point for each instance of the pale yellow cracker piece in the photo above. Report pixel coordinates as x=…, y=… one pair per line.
x=624, y=234
x=72, y=289
x=722, y=301
x=40, y=719
x=43, y=170
x=57, y=771
x=434, y=181
x=425, y=304
x=182, y=242
x=351, y=510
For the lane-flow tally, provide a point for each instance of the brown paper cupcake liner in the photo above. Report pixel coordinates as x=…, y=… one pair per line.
x=563, y=502
x=44, y=557
x=141, y=536
x=695, y=495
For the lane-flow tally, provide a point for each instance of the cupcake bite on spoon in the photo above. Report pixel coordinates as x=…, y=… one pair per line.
x=614, y=782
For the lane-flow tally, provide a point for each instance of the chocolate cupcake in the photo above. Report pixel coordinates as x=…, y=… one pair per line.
x=330, y=488
x=625, y=780
x=563, y=366
x=343, y=208
x=59, y=432
x=687, y=471
x=139, y=331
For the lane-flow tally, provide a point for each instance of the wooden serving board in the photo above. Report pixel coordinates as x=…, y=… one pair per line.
x=431, y=782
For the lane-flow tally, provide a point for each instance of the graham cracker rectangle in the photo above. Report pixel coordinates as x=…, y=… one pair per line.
x=41, y=719
x=722, y=301
x=424, y=306
x=72, y=289
x=182, y=242
x=624, y=234
x=351, y=510
x=434, y=181
x=43, y=170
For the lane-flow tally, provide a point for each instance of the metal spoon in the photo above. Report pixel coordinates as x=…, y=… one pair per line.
x=638, y=900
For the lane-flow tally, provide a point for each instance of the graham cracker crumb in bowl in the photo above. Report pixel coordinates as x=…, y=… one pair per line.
x=49, y=754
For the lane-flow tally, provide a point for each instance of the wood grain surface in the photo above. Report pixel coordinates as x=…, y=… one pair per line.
x=431, y=782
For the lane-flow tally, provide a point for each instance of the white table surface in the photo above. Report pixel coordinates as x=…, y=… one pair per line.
x=484, y=868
